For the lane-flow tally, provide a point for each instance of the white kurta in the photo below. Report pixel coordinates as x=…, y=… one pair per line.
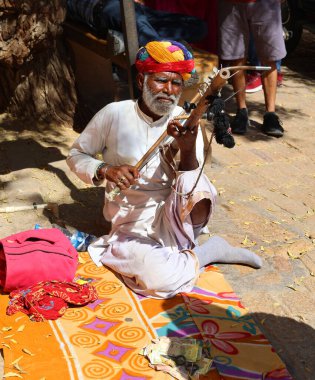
x=143, y=241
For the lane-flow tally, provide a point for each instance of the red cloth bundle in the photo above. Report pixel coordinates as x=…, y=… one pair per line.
x=50, y=300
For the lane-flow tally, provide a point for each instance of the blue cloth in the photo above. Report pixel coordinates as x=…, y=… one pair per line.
x=82, y=10
x=79, y=240
x=152, y=24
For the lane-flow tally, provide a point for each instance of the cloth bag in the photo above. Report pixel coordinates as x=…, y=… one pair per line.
x=29, y=257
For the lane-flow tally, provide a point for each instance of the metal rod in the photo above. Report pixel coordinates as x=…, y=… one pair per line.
x=53, y=207
x=248, y=67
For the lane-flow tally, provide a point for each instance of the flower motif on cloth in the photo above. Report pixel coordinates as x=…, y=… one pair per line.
x=222, y=340
x=197, y=305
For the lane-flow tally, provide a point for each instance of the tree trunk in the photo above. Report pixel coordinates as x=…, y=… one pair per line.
x=36, y=78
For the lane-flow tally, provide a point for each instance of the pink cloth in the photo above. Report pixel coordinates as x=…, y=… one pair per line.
x=32, y=256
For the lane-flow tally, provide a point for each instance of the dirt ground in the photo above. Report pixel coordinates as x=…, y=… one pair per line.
x=266, y=202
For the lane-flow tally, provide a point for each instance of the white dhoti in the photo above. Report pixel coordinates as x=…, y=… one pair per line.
x=159, y=262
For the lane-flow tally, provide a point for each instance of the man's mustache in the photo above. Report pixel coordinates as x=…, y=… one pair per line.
x=173, y=98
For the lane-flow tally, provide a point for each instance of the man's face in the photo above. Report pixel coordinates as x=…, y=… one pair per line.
x=161, y=92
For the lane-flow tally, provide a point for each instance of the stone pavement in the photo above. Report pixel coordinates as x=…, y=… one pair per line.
x=265, y=202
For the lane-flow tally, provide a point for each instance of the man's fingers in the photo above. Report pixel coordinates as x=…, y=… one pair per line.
x=128, y=179
x=127, y=176
x=174, y=128
x=194, y=130
x=123, y=182
x=135, y=172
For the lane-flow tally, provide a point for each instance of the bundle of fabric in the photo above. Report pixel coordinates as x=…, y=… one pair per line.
x=50, y=300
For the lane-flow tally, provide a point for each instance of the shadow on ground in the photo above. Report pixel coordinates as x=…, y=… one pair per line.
x=24, y=146
x=292, y=340
x=47, y=133
x=302, y=60
x=85, y=215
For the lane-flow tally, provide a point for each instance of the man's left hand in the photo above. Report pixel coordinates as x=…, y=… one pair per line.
x=184, y=136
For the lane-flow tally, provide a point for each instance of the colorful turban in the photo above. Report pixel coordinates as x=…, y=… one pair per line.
x=158, y=56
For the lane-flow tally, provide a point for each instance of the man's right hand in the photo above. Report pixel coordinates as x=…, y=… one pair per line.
x=123, y=176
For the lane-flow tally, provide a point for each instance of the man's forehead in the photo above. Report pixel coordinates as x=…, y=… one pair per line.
x=167, y=74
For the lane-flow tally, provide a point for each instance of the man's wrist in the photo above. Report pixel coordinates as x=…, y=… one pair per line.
x=100, y=171
x=188, y=162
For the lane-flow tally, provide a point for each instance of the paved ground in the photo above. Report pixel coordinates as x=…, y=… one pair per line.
x=267, y=199
x=266, y=202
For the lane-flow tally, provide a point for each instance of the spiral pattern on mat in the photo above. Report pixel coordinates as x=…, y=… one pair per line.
x=93, y=269
x=84, y=340
x=116, y=310
x=129, y=334
x=107, y=287
x=139, y=363
x=98, y=369
x=75, y=314
x=84, y=255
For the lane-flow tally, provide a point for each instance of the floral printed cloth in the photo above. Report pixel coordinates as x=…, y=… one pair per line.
x=102, y=339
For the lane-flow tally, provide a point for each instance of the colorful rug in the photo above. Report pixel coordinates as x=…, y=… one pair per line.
x=102, y=340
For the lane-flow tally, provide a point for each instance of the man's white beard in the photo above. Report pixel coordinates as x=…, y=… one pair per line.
x=152, y=102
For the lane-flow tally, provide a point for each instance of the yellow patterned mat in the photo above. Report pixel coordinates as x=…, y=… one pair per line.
x=102, y=340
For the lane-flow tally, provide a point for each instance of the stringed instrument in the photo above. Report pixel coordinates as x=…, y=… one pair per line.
x=202, y=100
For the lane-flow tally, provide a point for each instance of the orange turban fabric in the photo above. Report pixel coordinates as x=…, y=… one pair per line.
x=158, y=56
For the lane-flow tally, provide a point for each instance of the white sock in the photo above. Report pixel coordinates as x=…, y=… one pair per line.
x=218, y=250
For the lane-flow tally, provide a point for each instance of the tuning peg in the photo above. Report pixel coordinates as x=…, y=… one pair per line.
x=189, y=106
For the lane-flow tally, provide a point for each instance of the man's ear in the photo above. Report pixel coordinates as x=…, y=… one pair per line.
x=140, y=81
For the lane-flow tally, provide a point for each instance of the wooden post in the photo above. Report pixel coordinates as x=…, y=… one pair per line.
x=129, y=27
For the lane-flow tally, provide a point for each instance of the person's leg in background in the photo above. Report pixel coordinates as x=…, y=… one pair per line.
x=253, y=79
x=233, y=45
x=271, y=124
x=240, y=123
x=279, y=73
x=269, y=80
x=266, y=27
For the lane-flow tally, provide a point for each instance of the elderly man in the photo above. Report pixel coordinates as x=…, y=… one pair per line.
x=152, y=243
